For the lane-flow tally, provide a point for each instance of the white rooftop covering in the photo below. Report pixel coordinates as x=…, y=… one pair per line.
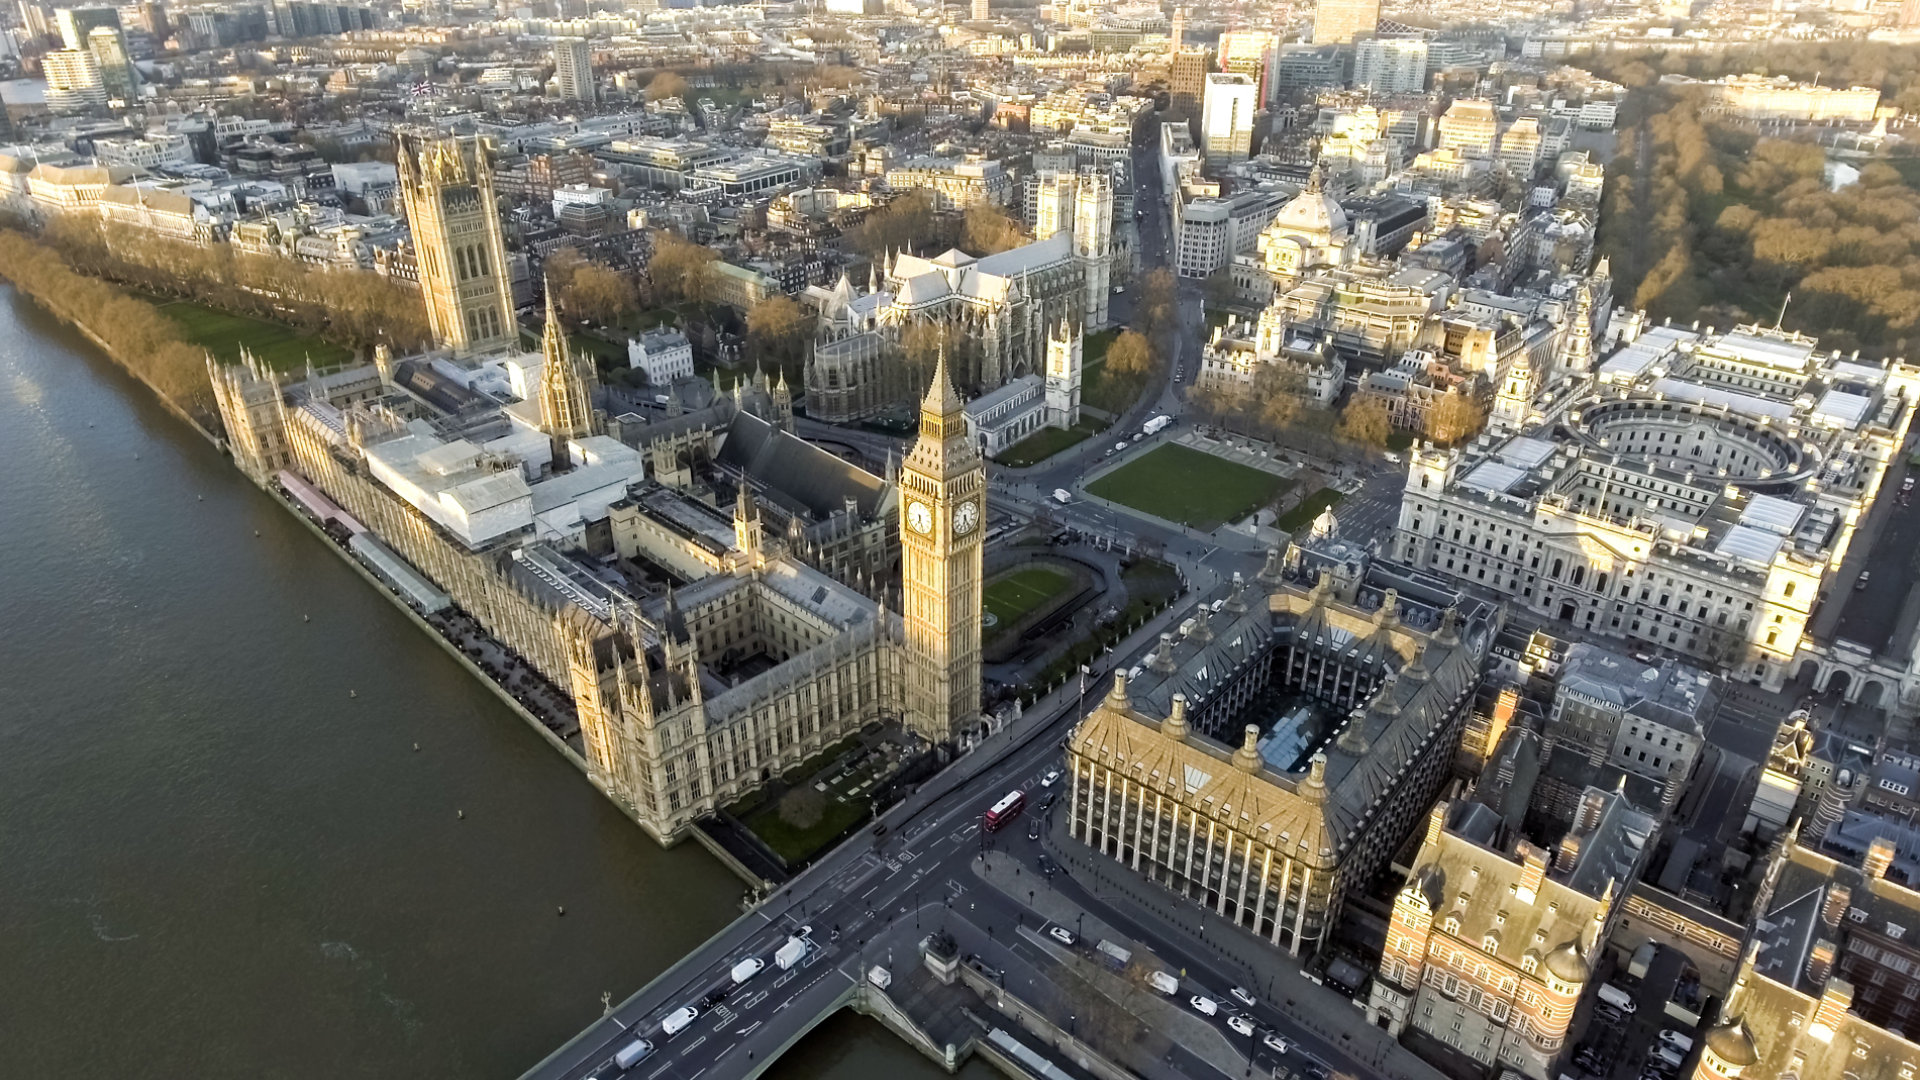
x=1495, y=477
x=1525, y=452
x=1744, y=404
x=1776, y=515
x=1773, y=352
x=1753, y=545
x=1842, y=409
x=1850, y=371
x=1631, y=362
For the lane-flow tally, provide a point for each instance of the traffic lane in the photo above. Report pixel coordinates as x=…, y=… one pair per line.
x=1226, y=1005
x=1870, y=616
x=1197, y=978
x=1313, y=1044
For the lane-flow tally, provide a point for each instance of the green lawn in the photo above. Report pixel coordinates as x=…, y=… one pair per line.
x=1093, y=348
x=1400, y=440
x=1302, y=516
x=1019, y=594
x=1045, y=443
x=278, y=346
x=1185, y=485
x=796, y=845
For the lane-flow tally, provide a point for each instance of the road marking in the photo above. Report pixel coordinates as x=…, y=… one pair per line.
x=754, y=1001
x=692, y=1046
x=749, y=1029
x=664, y=1066
x=784, y=979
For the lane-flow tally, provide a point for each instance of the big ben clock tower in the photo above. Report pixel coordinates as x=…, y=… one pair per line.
x=943, y=492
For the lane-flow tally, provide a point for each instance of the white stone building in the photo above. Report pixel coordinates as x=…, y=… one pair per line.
x=1697, y=496
x=665, y=355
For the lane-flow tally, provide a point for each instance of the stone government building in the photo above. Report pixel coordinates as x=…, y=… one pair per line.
x=703, y=652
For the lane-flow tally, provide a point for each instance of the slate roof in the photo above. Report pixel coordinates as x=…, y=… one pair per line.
x=795, y=473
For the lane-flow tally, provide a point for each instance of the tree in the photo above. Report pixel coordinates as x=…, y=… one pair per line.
x=906, y=222
x=599, y=293
x=988, y=230
x=1365, y=421
x=777, y=331
x=1130, y=354
x=680, y=270
x=803, y=807
x=1455, y=418
x=1157, y=309
x=1219, y=289
x=666, y=85
x=1278, y=398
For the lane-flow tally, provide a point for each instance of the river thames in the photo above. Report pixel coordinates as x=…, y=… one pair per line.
x=223, y=855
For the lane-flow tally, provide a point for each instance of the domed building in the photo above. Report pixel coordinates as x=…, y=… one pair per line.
x=1490, y=947
x=1312, y=229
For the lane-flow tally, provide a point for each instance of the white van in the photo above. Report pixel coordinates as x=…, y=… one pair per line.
x=1618, y=998
x=677, y=1021
x=632, y=1053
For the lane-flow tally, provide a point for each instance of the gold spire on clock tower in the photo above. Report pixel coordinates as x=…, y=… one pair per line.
x=943, y=491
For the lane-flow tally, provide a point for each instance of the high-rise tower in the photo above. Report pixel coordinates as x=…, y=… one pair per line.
x=447, y=185
x=573, y=69
x=566, y=397
x=1093, y=242
x=943, y=488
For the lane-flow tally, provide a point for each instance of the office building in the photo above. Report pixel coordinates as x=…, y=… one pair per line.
x=1492, y=943
x=1226, y=121
x=1187, y=80
x=1339, y=22
x=1269, y=830
x=118, y=77
x=76, y=24
x=73, y=81
x=1390, y=65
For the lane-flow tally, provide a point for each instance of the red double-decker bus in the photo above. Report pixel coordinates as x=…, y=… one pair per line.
x=1005, y=810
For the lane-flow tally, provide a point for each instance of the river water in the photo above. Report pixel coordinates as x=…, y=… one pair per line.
x=231, y=787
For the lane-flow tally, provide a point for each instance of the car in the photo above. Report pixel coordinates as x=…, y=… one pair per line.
x=1241, y=1024
x=1033, y=830
x=1047, y=803
x=1906, y=485
x=1203, y=1006
x=1120, y=446
x=1061, y=934
x=1860, y=582
x=1052, y=778
x=1241, y=995
x=1277, y=1044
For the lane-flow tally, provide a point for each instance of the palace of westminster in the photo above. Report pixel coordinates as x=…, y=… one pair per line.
x=705, y=652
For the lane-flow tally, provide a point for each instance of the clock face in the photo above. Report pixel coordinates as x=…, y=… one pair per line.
x=920, y=517
x=965, y=517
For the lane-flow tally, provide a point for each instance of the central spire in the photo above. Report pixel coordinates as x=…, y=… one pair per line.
x=942, y=399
